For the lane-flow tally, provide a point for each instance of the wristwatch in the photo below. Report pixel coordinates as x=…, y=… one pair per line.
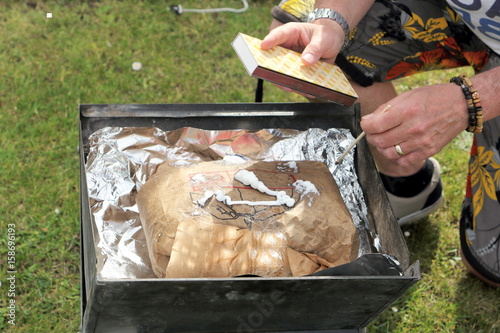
x=332, y=15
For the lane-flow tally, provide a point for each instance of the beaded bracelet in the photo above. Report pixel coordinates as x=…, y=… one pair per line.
x=477, y=103
x=470, y=104
x=474, y=107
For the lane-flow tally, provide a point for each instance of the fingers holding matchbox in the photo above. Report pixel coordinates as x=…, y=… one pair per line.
x=284, y=67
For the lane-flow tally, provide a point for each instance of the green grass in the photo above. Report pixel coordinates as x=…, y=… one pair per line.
x=84, y=55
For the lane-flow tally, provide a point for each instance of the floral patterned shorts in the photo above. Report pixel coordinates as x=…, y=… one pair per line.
x=400, y=38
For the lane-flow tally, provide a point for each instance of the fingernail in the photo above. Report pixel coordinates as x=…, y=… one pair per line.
x=309, y=58
x=368, y=116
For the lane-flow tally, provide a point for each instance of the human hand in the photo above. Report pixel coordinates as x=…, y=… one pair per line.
x=299, y=37
x=322, y=39
x=421, y=121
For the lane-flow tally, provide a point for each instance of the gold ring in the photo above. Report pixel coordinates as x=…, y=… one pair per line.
x=399, y=151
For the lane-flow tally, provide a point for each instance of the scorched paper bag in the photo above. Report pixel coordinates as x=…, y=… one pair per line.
x=202, y=222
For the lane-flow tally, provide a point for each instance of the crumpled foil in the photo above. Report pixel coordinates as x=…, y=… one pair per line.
x=121, y=159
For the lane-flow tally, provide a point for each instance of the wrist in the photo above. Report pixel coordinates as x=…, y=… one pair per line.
x=459, y=105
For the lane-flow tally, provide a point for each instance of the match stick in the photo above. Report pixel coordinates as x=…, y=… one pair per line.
x=350, y=147
x=356, y=141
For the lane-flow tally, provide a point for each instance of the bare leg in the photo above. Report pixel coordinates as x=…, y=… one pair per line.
x=370, y=99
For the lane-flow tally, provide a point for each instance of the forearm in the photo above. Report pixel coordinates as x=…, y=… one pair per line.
x=487, y=85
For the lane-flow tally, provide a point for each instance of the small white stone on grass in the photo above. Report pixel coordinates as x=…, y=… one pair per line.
x=136, y=66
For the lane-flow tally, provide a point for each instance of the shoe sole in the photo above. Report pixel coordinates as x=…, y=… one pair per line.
x=417, y=216
x=473, y=271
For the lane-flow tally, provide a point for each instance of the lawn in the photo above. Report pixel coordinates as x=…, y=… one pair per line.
x=84, y=54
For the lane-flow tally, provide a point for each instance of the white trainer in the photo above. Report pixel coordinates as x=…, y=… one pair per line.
x=413, y=209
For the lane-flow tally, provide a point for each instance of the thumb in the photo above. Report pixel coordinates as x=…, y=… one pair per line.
x=320, y=49
x=324, y=44
x=311, y=54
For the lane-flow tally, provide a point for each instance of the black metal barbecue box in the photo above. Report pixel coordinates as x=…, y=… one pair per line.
x=344, y=301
